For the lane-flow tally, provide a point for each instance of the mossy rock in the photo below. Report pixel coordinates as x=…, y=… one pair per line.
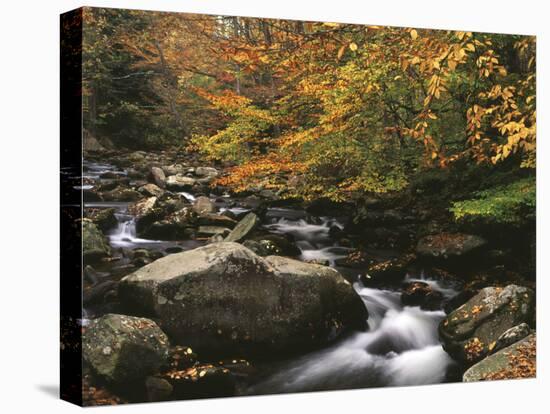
x=94, y=243
x=470, y=332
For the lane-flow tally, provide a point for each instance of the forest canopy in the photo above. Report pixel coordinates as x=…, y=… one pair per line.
x=319, y=110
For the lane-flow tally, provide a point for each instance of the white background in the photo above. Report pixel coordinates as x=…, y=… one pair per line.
x=29, y=235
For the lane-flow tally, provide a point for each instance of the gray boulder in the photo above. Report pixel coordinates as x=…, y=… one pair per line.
x=512, y=335
x=206, y=172
x=122, y=348
x=156, y=176
x=151, y=190
x=203, y=205
x=94, y=243
x=180, y=182
x=470, y=332
x=246, y=226
x=515, y=361
x=223, y=298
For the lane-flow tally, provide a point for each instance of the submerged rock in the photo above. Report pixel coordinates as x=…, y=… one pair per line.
x=122, y=348
x=518, y=360
x=94, y=243
x=470, y=332
x=223, y=298
x=243, y=228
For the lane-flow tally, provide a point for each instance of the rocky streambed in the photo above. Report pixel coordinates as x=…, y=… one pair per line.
x=192, y=291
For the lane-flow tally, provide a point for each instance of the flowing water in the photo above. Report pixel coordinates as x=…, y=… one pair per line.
x=400, y=347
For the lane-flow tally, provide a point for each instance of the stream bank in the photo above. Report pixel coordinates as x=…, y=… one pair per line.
x=141, y=208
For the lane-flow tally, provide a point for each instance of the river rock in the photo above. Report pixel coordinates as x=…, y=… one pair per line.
x=94, y=244
x=243, y=228
x=143, y=207
x=98, y=293
x=206, y=172
x=515, y=361
x=158, y=389
x=421, y=294
x=180, y=182
x=223, y=298
x=212, y=230
x=512, y=335
x=448, y=245
x=151, y=190
x=105, y=219
x=279, y=245
x=262, y=247
x=156, y=176
x=203, y=205
x=122, y=348
x=173, y=169
x=178, y=225
x=121, y=194
x=470, y=332
x=91, y=144
x=216, y=220
x=203, y=381
x=137, y=156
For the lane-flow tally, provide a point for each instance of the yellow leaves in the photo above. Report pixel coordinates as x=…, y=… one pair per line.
x=353, y=46
x=470, y=47
x=341, y=52
x=414, y=34
x=452, y=64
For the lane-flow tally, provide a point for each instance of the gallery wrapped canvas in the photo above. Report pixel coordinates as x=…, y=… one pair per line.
x=259, y=206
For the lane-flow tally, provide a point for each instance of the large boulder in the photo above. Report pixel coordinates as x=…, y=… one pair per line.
x=518, y=360
x=448, y=245
x=223, y=298
x=180, y=182
x=246, y=226
x=94, y=243
x=122, y=348
x=470, y=332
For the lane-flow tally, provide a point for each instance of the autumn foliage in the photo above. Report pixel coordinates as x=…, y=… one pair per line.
x=314, y=109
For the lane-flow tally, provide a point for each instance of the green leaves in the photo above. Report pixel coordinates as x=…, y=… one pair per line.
x=510, y=204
